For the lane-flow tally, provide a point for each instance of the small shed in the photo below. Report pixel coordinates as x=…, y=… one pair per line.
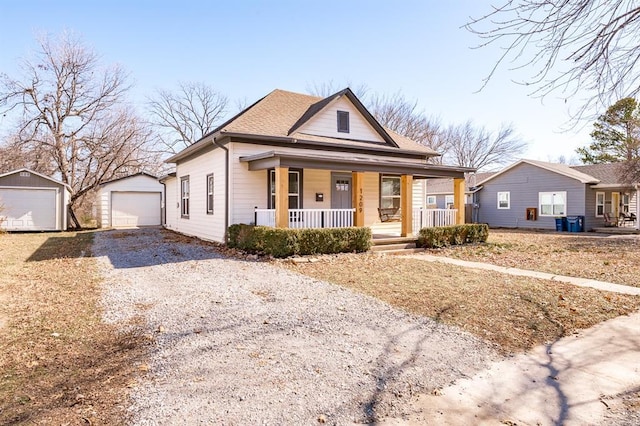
x=130, y=201
x=30, y=201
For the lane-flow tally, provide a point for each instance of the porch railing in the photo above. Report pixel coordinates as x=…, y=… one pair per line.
x=308, y=218
x=428, y=218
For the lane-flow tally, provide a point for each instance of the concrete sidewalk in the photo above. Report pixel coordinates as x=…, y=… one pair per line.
x=574, y=381
x=571, y=382
x=582, y=282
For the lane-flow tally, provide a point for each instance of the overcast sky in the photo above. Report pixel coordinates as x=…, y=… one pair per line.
x=246, y=49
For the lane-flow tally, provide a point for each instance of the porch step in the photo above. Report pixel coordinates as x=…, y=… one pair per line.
x=399, y=252
x=393, y=247
x=394, y=240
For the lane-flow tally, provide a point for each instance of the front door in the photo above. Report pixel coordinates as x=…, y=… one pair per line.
x=615, y=205
x=340, y=191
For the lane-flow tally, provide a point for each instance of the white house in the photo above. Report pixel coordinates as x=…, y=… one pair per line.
x=30, y=201
x=135, y=200
x=300, y=161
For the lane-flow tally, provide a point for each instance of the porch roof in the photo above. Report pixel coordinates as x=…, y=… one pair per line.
x=272, y=159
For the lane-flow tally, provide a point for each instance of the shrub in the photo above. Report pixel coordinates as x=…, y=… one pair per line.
x=280, y=242
x=453, y=235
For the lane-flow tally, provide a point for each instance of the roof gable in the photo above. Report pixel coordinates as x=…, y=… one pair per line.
x=139, y=174
x=13, y=172
x=561, y=169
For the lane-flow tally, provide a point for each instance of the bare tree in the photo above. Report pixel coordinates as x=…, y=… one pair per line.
x=70, y=118
x=184, y=116
x=329, y=88
x=402, y=116
x=477, y=147
x=569, y=45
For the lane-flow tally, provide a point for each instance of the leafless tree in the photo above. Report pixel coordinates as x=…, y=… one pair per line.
x=569, y=44
x=184, y=116
x=329, y=88
x=71, y=119
x=472, y=146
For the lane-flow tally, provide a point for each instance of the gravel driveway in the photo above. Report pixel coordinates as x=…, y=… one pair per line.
x=245, y=342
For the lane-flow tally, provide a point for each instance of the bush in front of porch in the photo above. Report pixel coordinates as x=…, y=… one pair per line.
x=281, y=242
x=453, y=235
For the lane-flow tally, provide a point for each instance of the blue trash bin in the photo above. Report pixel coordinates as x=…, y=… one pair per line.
x=561, y=224
x=575, y=223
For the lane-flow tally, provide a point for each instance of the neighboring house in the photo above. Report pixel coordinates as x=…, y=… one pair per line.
x=532, y=194
x=440, y=194
x=30, y=201
x=293, y=160
x=134, y=200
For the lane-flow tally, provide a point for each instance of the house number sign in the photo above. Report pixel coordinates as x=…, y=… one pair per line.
x=360, y=201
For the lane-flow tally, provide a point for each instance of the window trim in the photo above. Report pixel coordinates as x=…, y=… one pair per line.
x=270, y=194
x=210, y=193
x=449, y=204
x=624, y=206
x=508, y=193
x=432, y=197
x=553, y=214
x=604, y=199
x=345, y=121
x=185, y=197
x=382, y=177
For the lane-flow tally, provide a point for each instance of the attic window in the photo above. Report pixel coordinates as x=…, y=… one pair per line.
x=25, y=174
x=343, y=121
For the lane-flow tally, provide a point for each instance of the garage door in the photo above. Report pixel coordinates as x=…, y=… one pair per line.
x=135, y=209
x=28, y=209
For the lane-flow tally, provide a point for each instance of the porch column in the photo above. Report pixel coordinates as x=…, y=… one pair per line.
x=282, y=197
x=406, y=205
x=357, y=184
x=458, y=200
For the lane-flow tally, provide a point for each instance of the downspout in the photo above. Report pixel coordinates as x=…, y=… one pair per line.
x=226, y=185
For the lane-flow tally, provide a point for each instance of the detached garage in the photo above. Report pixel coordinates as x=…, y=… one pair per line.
x=131, y=201
x=30, y=201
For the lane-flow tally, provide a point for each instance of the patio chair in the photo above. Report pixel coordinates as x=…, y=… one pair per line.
x=608, y=221
x=627, y=218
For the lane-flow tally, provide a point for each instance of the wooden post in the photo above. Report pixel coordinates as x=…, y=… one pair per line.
x=458, y=200
x=358, y=198
x=282, y=197
x=406, y=205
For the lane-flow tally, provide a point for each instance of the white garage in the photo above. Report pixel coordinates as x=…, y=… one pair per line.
x=130, y=201
x=30, y=201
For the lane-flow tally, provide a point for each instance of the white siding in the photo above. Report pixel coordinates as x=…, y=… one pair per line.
x=419, y=190
x=325, y=123
x=199, y=223
x=137, y=183
x=171, y=206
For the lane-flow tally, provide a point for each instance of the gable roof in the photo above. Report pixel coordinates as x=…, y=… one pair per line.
x=24, y=169
x=279, y=115
x=561, y=169
x=606, y=173
x=445, y=186
x=130, y=176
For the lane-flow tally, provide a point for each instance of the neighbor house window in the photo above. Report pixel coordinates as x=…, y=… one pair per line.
x=599, y=204
x=184, y=196
x=504, y=200
x=448, y=201
x=431, y=200
x=390, y=192
x=295, y=189
x=343, y=121
x=210, y=194
x=552, y=203
x=625, y=202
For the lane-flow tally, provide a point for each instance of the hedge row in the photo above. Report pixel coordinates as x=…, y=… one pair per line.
x=279, y=242
x=452, y=235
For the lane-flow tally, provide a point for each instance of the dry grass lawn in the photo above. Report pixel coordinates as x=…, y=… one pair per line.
x=613, y=258
x=515, y=313
x=59, y=363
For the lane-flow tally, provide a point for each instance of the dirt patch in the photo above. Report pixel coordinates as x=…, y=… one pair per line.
x=516, y=313
x=614, y=258
x=60, y=364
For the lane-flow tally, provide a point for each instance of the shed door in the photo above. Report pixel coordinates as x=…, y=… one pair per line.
x=135, y=209
x=28, y=209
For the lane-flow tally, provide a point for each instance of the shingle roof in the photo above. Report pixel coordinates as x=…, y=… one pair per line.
x=561, y=169
x=606, y=173
x=281, y=113
x=445, y=186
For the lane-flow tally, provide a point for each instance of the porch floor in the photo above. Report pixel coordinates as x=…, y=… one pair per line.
x=618, y=230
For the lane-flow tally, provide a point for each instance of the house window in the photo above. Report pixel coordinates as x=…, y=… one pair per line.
x=295, y=189
x=552, y=203
x=599, y=204
x=390, y=192
x=431, y=200
x=504, y=200
x=625, y=202
x=210, y=194
x=184, y=196
x=448, y=201
x=343, y=121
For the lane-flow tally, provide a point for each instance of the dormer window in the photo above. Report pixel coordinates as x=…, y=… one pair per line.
x=343, y=121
